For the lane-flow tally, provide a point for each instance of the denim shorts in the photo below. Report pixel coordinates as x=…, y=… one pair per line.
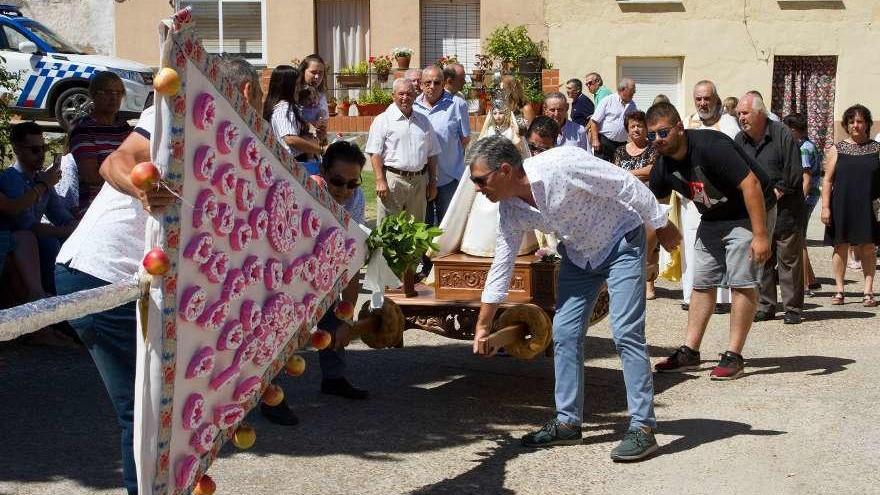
x=721, y=257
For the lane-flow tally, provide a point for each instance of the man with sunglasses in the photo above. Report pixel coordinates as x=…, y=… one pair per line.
x=26, y=177
x=732, y=193
x=542, y=135
x=600, y=212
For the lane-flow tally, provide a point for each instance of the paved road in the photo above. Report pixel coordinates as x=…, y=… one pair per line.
x=803, y=419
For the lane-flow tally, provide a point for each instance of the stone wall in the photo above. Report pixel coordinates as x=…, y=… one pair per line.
x=88, y=24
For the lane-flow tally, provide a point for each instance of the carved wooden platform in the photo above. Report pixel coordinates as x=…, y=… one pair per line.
x=462, y=277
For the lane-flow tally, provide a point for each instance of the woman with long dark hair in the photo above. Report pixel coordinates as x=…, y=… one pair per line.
x=313, y=79
x=281, y=110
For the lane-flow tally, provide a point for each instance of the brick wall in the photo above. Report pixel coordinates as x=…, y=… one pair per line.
x=550, y=80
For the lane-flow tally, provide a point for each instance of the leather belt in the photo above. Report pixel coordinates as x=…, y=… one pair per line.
x=405, y=173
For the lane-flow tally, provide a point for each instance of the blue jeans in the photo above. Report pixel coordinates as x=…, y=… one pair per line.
x=577, y=290
x=49, y=247
x=109, y=337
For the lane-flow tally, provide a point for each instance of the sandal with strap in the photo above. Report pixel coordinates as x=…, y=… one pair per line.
x=868, y=301
x=837, y=299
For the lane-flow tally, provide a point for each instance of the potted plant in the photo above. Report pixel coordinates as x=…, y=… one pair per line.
x=373, y=101
x=534, y=96
x=403, y=55
x=483, y=64
x=447, y=60
x=403, y=242
x=512, y=45
x=354, y=76
x=381, y=66
x=331, y=105
x=344, y=106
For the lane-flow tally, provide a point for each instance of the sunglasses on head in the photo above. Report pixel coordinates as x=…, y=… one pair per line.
x=340, y=182
x=661, y=133
x=480, y=180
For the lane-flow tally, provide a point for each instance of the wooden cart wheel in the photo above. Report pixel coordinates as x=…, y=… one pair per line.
x=382, y=328
x=524, y=331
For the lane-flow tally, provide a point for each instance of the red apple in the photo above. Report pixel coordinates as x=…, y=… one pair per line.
x=244, y=437
x=344, y=310
x=156, y=262
x=167, y=81
x=295, y=366
x=273, y=395
x=145, y=176
x=321, y=339
x=205, y=486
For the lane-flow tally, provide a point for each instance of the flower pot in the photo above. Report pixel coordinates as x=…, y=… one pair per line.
x=331, y=109
x=370, y=109
x=403, y=62
x=343, y=108
x=382, y=76
x=352, y=80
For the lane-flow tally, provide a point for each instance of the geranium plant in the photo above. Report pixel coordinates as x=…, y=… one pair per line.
x=403, y=241
x=381, y=64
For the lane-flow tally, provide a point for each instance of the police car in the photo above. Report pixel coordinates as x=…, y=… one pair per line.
x=54, y=76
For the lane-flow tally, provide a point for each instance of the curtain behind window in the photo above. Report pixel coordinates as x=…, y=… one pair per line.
x=343, y=33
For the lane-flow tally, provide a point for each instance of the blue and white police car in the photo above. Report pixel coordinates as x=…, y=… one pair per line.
x=54, y=75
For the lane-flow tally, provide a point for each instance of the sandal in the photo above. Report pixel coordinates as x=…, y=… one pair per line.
x=837, y=299
x=868, y=301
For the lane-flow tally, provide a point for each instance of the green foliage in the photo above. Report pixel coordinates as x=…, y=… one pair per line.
x=401, y=51
x=512, y=44
x=9, y=83
x=359, y=69
x=403, y=241
x=532, y=91
x=375, y=95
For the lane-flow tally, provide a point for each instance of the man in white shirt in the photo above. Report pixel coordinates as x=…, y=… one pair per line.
x=608, y=131
x=551, y=193
x=403, y=150
x=108, y=246
x=570, y=132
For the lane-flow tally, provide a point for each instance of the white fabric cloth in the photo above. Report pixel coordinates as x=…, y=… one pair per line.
x=579, y=197
x=284, y=123
x=343, y=32
x=108, y=243
x=726, y=124
x=403, y=143
x=610, y=115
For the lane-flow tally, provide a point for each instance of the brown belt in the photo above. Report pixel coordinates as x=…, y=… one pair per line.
x=405, y=173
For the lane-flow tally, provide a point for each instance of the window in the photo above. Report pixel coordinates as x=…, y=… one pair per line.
x=233, y=27
x=450, y=27
x=343, y=32
x=13, y=38
x=653, y=76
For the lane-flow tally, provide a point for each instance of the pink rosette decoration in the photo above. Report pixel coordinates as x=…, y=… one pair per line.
x=245, y=196
x=350, y=250
x=224, y=179
x=299, y=314
x=192, y=304
x=185, y=472
x=266, y=349
x=249, y=154
x=323, y=281
x=224, y=222
x=259, y=222
x=310, y=268
x=234, y=285
x=251, y=316
x=201, y=364
x=202, y=439
x=264, y=175
x=253, y=270
x=193, y=411
x=274, y=274
x=311, y=223
x=204, y=162
x=283, y=229
x=246, y=352
x=226, y=376
x=311, y=303
x=231, y=336
x=204, y=111
x=293, y=271
x=216, y=267
x=214, y=316
x=227, y=137
x=247, y=389
x=205, y=208
x=241, y=235
x=228, y=415
x=200, y=248
x=278, y=312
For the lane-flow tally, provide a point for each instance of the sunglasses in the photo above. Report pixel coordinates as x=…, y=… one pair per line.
x=536, y=150
x=340, y=182
x=480, y=180
x=659, y=133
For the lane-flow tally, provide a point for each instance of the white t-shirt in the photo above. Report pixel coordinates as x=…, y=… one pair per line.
x=403, y=143
x=109, y=242
x=726, y=124
x=284, y=125
x=611, y=113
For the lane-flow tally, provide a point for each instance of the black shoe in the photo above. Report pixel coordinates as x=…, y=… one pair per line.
x=685, y=306
x=341, y=387
x=722, y=308
x=764, y=316
x=682, y=359
x=553, y=433
x=792, y=318
x=280, y=414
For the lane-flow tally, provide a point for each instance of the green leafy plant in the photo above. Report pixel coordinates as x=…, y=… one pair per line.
x=359, y=69
x=401, y=51
x=403, y=241
x=510, y=44
x=9, y=84
x=381, y=64
x=375, y=95
x=532, y=91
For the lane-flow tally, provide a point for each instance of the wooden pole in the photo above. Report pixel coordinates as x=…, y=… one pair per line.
x=501, y=338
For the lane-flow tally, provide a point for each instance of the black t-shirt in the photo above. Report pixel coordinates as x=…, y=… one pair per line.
x=710, y=175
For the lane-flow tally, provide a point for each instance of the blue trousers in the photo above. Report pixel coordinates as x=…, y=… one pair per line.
x=109, y=337
x=577, y=290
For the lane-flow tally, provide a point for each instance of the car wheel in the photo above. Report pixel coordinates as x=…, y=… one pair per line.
x=71, y=105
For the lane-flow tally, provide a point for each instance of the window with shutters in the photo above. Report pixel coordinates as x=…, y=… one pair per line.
x=450, y=27
x=233, y=27
x=653, y=76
